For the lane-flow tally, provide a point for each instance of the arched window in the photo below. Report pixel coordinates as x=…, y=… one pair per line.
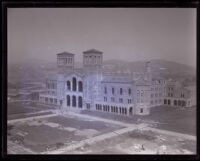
x=74, y=83
x=80, y=86
x=131, y=111
x=68, y=100
x=175, y=102
x=80, y=102
x=179, y=103
x=68, y=85
x=183, y=103
x=74, y=101
x=169, y=102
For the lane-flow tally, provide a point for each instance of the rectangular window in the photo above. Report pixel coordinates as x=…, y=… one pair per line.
x=129, y=91
x=105, y=90
x=113, y=90
x=121, y=91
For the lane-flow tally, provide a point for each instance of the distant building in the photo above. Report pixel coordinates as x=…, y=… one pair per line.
x=178, y=95
x=89, y=88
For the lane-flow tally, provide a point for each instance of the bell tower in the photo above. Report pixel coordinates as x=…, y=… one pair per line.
x=92, y=60
x=92, y=65
x=148, y=74
x=65, y=62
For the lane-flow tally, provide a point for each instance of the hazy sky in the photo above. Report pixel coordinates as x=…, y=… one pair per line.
x=121, y=33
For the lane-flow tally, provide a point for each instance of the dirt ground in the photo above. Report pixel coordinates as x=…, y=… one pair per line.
x=140, y=142
x=24, y=109
x=177, y=119
x=53, y=133
x=40, y=135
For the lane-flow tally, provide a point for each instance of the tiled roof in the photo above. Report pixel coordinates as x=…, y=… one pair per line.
x=142, y=82
x=117, y=79
x=65, y=53
x=92, y=51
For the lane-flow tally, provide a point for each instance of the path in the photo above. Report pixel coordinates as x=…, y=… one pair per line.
x=129, y=128
x=140, y=126
x=30, y=118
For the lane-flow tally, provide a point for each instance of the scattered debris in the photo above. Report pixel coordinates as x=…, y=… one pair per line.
x=162, y=149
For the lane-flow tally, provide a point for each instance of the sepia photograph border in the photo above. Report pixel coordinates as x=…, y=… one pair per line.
x=89, y=4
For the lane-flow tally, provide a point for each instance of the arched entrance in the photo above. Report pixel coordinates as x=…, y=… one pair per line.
x=80, y=102
x=68, y=100
x=131, y=111
x=74, y=101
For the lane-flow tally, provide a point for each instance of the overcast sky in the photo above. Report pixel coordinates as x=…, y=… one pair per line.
x=121, y=33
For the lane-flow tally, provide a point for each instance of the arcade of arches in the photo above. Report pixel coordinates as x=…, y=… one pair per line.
x=180, y=103
x=74, y=101
x=75, y=85
x=115, y=109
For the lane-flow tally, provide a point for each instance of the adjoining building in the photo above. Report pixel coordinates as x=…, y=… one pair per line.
x=89, y=88
x=178, y=95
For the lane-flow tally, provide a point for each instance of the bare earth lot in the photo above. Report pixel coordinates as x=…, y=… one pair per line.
x=34, y=129
x=20, y=109
x=51, y=133
x=176, y=119
x=140, y=142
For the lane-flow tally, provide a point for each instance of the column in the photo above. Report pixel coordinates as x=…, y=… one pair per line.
x=71, y=101
x=77, y=84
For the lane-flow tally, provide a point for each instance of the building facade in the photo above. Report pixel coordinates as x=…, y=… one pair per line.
x=89, y=88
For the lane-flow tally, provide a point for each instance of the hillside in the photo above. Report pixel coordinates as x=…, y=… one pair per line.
x=38, y=70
